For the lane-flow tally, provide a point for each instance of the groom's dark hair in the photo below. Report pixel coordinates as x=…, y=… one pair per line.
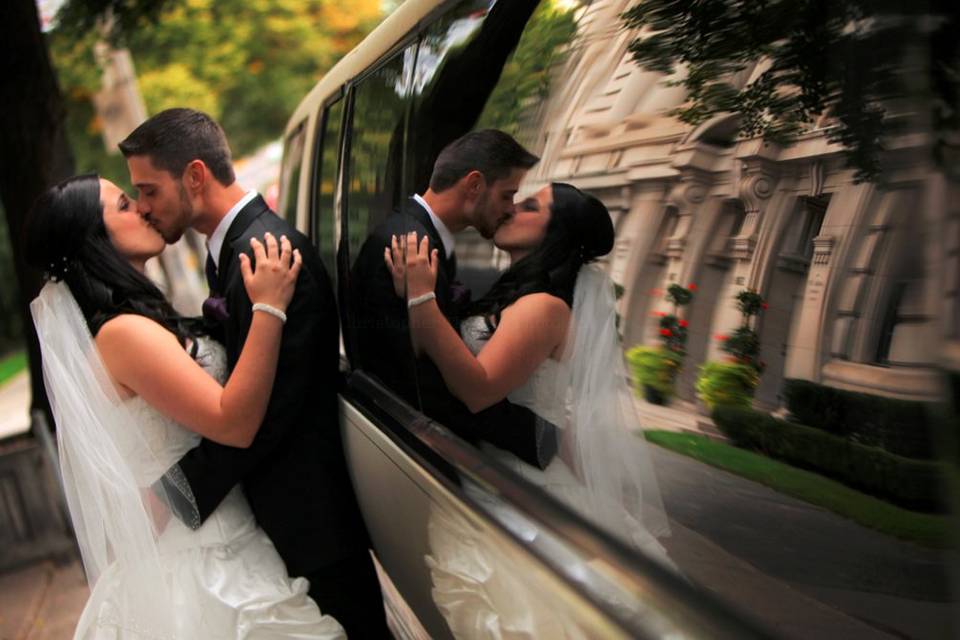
x=490, y=151
x=174, y=138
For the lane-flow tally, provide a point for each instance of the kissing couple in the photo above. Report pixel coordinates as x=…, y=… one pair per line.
x=201, y=458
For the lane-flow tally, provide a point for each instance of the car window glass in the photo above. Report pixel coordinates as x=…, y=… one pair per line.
x=375, y=203
x=290, y=180
x=325, y=182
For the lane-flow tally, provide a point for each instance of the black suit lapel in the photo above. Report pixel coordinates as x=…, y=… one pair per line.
x=244, y=219
x=416, y=211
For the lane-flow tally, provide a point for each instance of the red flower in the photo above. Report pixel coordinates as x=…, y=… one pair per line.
x=763, y=305
x=684, y=323
x=692, y=287
x=721, y=337
x=660, y=314
x=666, y=332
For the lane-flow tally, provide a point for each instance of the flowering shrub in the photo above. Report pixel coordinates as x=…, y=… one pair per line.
x=727, y=384
x=733, y=383
x=750, y=303
x=654, y=368
x=744, y=343
x=673, y=328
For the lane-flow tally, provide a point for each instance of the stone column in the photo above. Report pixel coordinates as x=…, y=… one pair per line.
x=635, y=241
x=755, y=188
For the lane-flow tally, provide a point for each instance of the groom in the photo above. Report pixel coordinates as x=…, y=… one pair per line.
x=473, y=184
x=294, y=474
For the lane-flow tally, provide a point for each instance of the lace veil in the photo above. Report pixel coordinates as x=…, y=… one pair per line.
x=107, y=467
x=602, y=441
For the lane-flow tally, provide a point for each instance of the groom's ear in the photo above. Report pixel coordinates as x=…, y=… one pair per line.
x=473, y=184
x=195, y=175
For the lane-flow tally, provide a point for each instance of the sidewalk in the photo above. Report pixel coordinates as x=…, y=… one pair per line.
x=680, y=416
x=15, y=405
x=42, y=601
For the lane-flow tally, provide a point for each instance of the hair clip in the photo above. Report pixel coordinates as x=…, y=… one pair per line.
x=58, y=269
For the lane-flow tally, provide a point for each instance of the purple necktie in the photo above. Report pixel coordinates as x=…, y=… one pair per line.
x=215, y=307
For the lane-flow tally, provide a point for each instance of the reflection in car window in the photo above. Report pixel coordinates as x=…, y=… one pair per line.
x=379, y=342
x=512, y=53
x=292, y=165
x=745, y=273
x=327, y=172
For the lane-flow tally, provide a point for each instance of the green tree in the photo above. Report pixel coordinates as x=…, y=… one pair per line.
x=525, y=81
x=851, y=60
x=247, y=64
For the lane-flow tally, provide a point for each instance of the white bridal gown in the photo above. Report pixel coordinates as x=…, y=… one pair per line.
x=475, y=584
x=227, y=580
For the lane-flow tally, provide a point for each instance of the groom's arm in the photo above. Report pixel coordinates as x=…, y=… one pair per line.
x=504, y=424
x=310, y=337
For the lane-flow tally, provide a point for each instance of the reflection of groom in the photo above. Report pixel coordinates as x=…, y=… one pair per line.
x=474, y=181
x=294, y=474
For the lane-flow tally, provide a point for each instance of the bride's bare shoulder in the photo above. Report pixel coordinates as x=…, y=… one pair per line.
x=547, y=304
x=130, y=331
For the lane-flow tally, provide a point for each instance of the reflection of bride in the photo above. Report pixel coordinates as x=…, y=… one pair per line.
x=545, y=337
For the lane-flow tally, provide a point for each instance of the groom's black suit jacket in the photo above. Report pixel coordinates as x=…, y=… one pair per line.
x=294, y=474
x=384, y=348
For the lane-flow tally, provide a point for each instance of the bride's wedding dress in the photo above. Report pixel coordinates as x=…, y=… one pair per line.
x=226, y=579
x=602, y=471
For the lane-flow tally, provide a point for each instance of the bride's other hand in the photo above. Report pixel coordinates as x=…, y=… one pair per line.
x=422, y=263
x=272, y=278
x=393, y=258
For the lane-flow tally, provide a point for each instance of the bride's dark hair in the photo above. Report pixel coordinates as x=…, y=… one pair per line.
x=66, y=238
x=580, y=230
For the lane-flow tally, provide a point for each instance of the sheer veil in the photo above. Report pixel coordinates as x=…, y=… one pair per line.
x=603, y=442
x=107, y=468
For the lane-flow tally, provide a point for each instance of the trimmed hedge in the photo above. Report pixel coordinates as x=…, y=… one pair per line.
x=726, y=383
x=655, y=367
x=914, y=484
x=902, y=427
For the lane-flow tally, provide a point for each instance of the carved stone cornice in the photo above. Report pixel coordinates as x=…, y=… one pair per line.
x=822, y=249
x=687, y=194
x=758, y=178
x=758, y=181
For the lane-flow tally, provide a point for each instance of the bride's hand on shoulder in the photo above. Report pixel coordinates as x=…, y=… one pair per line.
x=393, y=258
x=272, y=277
x=422, y=263
x=418, y=270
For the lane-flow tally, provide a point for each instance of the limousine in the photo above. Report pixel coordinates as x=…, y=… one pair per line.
x=364, y=138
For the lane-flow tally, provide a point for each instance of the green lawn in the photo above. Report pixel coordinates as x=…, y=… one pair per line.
x=930, y=530
x=11, y=365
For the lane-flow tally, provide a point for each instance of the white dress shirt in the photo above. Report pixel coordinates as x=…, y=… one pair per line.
x=446, y=236
x=215, y=241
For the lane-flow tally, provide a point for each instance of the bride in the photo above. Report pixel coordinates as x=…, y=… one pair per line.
x=545, y=337
x=133, y=386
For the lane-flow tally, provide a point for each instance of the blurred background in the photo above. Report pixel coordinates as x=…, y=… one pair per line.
x=783, y=178
x=78, y=77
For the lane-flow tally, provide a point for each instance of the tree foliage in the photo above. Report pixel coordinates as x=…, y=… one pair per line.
x=247, y=64
x=856, y=61
x=526, y=78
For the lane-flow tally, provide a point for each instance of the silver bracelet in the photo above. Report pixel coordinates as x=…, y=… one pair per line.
x=276, y=313
x=412, y=302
